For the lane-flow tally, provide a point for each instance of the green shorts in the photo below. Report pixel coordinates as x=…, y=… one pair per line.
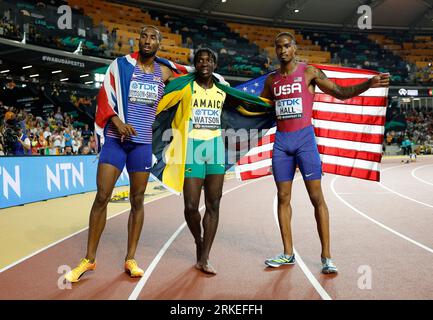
x=205, y=157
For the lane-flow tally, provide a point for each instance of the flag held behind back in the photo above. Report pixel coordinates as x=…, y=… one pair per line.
x=349, y=133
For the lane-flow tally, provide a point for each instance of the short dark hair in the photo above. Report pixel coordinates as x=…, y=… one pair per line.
x=152, y=27
x=285, y=34
x=209, y=51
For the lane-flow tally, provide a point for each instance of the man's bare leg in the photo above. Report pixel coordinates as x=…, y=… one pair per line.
x=321, y=214
x=191, y=196
x=285, y=215
x=213, y=185
x=106, y=178
x=138, y=184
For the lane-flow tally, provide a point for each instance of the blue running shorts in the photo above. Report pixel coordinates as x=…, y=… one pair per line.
x=297, y=148
x=136, y=156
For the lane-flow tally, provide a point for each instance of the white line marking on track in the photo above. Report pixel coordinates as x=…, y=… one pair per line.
x=402, y=195
x=136, y=292
x=377, y=222
x=322, y=292
x=365, y=193
x=393, y=167
x=140, y=285
x=422, y=180
x=68, y=237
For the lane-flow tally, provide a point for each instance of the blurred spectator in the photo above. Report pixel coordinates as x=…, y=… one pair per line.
x=23, y=144
x=131, y=45
x=85, y=150
x=56, y=142
x=92, y=144
x=77, y=142
x=86, y=134
x=9, y=115
x=189, y=43
x=34, y=144
x=47, y=133
x=67, y=151
x=406, y=145
x=67, y=138
x=58, y=117
x=114, y=34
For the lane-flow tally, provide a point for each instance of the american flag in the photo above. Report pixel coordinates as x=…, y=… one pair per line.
x=349, y=133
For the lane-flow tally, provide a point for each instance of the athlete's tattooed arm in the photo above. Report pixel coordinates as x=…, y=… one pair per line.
x=317, y=76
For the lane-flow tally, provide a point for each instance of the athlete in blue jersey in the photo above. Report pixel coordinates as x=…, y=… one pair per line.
x=128, y=143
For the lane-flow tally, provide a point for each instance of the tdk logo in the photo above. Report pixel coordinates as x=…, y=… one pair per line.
x=287, y=89
x=207, y=112
x=289, y=108
x=289, y=102
x=144, y=86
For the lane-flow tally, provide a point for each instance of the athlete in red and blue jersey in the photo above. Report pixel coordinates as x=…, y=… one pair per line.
x=127, y=142
x=292, y=89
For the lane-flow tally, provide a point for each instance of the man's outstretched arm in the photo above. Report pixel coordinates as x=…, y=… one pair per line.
x=340, y=92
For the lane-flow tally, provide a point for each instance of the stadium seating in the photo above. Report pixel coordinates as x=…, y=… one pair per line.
x=417, y=50
x=110, y=29
x=264, y=38
x=236, y=54
x=358, y=50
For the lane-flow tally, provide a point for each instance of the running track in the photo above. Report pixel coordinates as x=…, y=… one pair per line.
x=381, y=238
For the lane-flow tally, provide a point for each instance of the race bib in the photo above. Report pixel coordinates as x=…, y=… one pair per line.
x=203, y=118
x=143, y=92
x=288, y=108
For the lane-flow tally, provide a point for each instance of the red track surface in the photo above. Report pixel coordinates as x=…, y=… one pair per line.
x=387, y=234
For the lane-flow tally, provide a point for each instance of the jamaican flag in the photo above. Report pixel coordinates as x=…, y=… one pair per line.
x=244, y=119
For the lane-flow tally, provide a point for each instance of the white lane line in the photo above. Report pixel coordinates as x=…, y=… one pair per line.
x=365, y=193
x=377, y=222
x=322, y=292
x=140, y=285
x=402, y=195
x=68, y=237
x=393, y=167
x=422, y=180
